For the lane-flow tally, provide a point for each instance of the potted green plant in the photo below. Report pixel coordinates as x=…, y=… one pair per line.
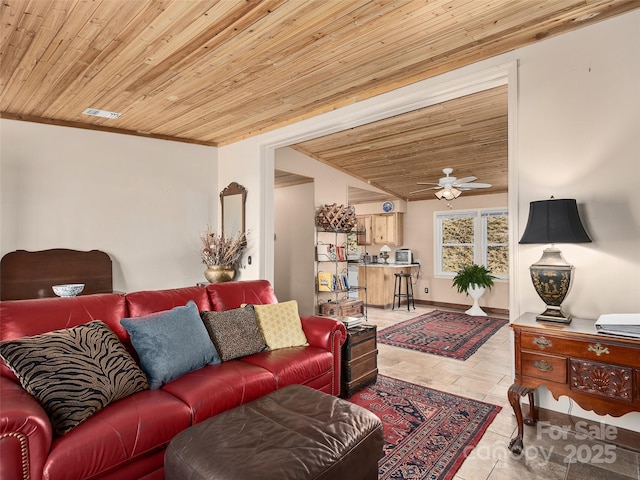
x=473, y=280
x=473, y=275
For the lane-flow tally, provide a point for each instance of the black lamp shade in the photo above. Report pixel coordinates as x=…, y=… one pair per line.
x=554, y=221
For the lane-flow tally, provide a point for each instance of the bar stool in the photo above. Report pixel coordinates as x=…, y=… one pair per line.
x=397, y=290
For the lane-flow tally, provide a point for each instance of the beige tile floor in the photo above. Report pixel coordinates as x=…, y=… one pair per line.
x=486, y=376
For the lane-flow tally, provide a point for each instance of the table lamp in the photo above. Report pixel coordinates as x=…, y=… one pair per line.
x=384, y=252
x=553, y=221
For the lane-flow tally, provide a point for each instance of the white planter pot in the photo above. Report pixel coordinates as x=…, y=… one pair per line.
x=475, y=292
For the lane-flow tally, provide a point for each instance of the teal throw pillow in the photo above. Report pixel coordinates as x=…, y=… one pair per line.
x=171, y=343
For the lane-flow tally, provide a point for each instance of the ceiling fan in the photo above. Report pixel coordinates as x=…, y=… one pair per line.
x=450, y=187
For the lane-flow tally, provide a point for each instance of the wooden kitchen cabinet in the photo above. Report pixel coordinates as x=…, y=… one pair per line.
x=379, y=280
x=364, y=231
x=599, y=372
x=387, y=229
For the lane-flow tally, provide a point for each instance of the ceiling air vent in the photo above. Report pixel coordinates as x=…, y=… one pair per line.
x=101, y=113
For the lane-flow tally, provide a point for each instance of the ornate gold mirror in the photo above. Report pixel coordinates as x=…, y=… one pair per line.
x=233, y=199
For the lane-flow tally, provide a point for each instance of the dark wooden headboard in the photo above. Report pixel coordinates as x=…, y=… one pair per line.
x=26, y=274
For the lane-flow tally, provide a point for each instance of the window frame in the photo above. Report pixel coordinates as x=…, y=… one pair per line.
x=485, y=244
x=481, y=243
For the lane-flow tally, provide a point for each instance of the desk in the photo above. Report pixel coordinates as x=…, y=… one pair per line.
x=599, y=372
x=379, y=280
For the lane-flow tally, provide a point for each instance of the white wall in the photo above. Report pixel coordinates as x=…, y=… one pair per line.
x=142, y=201
x=578, y=137
x=294, y=271
x=331, y=185
x=240, y=162
x=295, y=228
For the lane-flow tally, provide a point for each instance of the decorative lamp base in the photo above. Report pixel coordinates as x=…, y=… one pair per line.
x=554, y=314
x=551, y=277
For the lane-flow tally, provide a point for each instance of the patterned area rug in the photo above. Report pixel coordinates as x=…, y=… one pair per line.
x=427, y=433
x=449, y=334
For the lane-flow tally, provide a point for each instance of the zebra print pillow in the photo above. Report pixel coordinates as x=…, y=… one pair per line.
x=74, y=372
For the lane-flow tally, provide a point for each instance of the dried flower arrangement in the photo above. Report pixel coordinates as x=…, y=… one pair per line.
x=220, y=250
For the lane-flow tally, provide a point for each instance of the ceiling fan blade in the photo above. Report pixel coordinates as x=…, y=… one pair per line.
x=468, y=186
x=466, y=180
x=427, y=183
x=423, y=190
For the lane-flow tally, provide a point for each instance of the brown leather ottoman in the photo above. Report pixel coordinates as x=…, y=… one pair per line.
x=293, y=433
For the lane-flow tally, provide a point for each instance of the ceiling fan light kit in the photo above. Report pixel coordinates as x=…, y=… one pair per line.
x=448, y=193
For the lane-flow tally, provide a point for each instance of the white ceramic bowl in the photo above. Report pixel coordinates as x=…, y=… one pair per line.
x=69, y=290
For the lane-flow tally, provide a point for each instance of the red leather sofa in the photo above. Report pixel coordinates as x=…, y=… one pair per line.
x=128, y=438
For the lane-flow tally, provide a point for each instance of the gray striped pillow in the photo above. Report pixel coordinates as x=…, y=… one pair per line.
x=74, y=372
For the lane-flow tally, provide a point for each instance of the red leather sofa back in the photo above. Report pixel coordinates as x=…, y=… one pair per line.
x=225, y=296
x=21, y=318
x=147, y=302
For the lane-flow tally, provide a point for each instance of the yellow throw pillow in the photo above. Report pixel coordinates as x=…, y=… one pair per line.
x=280, y=324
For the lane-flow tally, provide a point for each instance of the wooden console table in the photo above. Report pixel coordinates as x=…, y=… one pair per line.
x=599, y=372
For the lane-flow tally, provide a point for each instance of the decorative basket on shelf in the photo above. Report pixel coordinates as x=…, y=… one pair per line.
x=336, y=218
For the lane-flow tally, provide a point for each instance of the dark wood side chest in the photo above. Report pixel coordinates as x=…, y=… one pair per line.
x=599, y=372
x=359, y=359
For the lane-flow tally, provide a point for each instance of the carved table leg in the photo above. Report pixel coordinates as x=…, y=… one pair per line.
x=515, y=392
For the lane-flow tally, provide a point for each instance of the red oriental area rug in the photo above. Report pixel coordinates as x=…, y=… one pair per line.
x=449, y=334
x=427, y=433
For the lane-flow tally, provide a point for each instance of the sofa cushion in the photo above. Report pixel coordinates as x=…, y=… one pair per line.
x=216, y=388
x=235, y=333
x=228, y=295
x=127, y=430
x=303, y=365
x=280, y=324
x=74, y=372
x=172, y=343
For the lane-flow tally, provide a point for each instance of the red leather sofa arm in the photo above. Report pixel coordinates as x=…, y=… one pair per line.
x=324, y=332
x=25, y=433
x=329, y=334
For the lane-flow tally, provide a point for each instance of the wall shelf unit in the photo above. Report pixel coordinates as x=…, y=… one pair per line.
x=332, y=284
x=332, y=279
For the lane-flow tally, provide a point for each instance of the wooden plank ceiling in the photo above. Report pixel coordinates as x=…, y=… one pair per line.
x=217, y=71
x=468, y=134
